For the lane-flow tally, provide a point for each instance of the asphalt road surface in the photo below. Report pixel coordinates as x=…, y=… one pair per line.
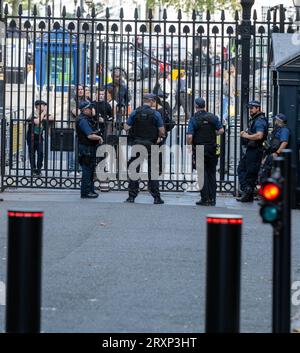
x=115, y=267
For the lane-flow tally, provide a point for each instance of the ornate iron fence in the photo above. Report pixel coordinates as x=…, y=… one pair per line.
x=45, y=57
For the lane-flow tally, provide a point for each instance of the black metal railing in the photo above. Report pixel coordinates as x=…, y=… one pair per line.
x=47, y=57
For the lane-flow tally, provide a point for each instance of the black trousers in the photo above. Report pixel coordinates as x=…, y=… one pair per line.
x=183, y=101
x=35, y=147
x=87, y=161
x=153, y=185
x=209, y=190
x=248, y=169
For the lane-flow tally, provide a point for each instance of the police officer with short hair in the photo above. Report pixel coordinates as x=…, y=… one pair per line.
x=252, y=140
x=147, y=129
x=277, y=141
x=203, y=129
x=88, y=140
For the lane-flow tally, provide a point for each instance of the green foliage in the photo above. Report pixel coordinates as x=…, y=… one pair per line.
x=15, y=5
x=198, y=5
x=99, y=6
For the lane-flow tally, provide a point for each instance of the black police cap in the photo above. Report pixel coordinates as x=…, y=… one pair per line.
x=40, y=102
x=254, y=103
x=85, y=105
x=149, y=96
x=281, y=117
x=200, y=102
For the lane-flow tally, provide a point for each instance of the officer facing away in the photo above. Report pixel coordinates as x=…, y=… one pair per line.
x=88, y=140
x=147, y=129
x=252, y=140
x=203, y=129
x=277, y=141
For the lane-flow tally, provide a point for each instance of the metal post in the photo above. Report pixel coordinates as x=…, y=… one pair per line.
x=3, y=148
x=82, y=7
x=245, y=33
x=282, y=251
x=286, y=243
x=223, y=273
x=277, y=234
x=285, y=246
x=223, y=152
x=2, y=97
x=23, y=289
x=281, y=18
x=29, y=7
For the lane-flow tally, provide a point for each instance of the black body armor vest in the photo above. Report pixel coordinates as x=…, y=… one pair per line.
x=144, y=127
x=205, y=133
x=82, y=138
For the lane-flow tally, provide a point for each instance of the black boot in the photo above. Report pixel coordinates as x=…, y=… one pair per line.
x=203, y=202
x=89, y=196
x=130, y=199
x=212, y=202
x=246, y=197
x=158, y=201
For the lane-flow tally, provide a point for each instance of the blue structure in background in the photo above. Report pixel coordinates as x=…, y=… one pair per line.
x=61, y=45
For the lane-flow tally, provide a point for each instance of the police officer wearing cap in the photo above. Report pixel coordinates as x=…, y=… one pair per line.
x=277, y=141
x=88, y=140
x=252, y=140
x=203, y=129
x=147, y=129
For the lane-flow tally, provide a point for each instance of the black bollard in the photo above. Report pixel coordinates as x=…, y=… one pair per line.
x=223, y=273
x=23, y=286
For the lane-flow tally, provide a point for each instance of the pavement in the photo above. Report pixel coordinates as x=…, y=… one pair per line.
x=115, y=267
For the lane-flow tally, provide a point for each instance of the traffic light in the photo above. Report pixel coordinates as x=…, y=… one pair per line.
x=271, y=204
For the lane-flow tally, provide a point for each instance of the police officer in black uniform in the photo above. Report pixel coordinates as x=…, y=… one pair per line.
x=147, y=129
x=88, y=140
x=203, y=129
x=277, y=141
x=252, y=141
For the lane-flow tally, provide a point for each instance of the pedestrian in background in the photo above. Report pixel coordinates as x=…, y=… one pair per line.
x=74, y=113
x=37, y=124
x=181, y=95
x=119, y=90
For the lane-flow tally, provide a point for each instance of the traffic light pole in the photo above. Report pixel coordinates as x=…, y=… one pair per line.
x=282, y=252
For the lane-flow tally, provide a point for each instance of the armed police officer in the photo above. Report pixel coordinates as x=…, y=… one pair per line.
x=203, y=129
x=252, y=141
x=88, y=140
x=147, y=129
x=277, y=141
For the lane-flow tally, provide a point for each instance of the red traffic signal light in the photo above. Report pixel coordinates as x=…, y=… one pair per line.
x=270, y=191
x=271, y=205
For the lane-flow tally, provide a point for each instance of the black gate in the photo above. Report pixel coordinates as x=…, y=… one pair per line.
x=50, y=59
